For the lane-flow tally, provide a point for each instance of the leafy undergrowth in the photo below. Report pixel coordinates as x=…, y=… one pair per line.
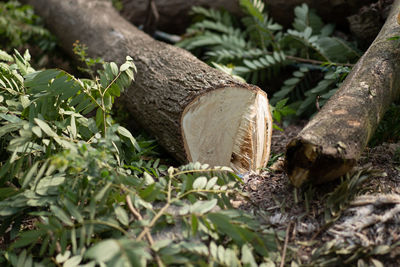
x=88, y=195
x=76, y=190
x=21, y=29
x=20, y=26
x=260, y=50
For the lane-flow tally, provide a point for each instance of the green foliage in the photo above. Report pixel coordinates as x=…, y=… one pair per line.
x=117, y=4
x=89, y=63
x=74, y=191
x=19, y=25
x=279, y=111
x=258, y=49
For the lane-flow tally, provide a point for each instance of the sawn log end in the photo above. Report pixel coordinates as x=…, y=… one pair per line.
x=307, y=162
x=229, y=126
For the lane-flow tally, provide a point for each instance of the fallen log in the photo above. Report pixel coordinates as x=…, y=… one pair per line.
x=196, y=112
x=332, y=142
x=174, y=15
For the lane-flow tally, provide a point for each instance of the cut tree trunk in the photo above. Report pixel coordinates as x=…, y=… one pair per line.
x=332, y=142
x=196, y=112
x=174, y=15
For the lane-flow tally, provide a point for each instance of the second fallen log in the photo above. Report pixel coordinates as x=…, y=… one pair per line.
x=196, y=112
x=332, y=142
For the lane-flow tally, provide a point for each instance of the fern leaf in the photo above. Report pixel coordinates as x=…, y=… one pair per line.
x=10, y=79
x=260, y=51
x=290, y=85
x=255, y=8
x=207, y=13
x=257, y=64
x=308, y=41
x=215, y=26
x=304, y=17
x=224, y=55
x=227, y=70
x=261, y=30
x=259, y=26
x=214, y=42
x=237, y=54
x=4, y=56
x=23, y=62
x=324, y=87
x=337, y=50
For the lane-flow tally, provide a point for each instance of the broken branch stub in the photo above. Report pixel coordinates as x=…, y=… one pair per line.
x=332, y=142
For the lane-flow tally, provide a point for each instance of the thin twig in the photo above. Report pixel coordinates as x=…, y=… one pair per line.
x=320, y=230
x=317, y=103
x=285, y=245
x=316, y=62
x=148, y=235
x=110, y=84
x=153, y=221
x=132, y=208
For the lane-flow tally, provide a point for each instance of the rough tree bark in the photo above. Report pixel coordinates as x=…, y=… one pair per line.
x=196, y=112
x=333, y=140
x=174, y=15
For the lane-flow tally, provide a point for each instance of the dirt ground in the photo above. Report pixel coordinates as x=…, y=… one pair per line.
x=354, y=221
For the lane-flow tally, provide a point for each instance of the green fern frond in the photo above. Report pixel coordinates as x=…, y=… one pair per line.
x=208, y=25
x=23, y=62
x=327, y=30
x=213, y=14
x=290, y=85
x=304, y=17
x=262, y=49
x=260, y=63
x=262, y=33
x=337, y=50
x=213, y=40
x=19, y=25
x=235, y=54
x=4, y=56
x=222, y=55
x=327, y=86
x=227, y=70
x=259, y=26
x=254, y=8
x=10, y=79
x=308, y=41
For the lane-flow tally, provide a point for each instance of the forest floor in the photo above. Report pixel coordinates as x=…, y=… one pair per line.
x=352, y=221
x=357, y=217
